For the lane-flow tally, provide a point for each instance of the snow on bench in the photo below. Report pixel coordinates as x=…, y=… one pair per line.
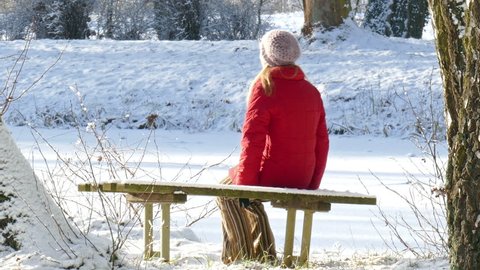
x=167, y=193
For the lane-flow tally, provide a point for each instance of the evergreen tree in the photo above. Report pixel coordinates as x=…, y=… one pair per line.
x=376, y=16
x=178, y=19
x=68, y=19
x=417, y=20
x=398, y=18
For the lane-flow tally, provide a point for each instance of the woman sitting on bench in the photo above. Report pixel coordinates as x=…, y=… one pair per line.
x=284, y=144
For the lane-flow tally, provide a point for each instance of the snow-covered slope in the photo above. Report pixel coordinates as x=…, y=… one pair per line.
x=370, y=84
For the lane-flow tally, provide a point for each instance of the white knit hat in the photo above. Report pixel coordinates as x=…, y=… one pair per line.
x=279, y=48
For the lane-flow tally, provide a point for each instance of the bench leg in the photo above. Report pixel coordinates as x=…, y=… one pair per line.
x=289, y=237
x=306, y=237
x=148, y=231
x=166, y=232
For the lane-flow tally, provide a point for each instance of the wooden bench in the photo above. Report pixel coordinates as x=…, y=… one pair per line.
x=167, y=193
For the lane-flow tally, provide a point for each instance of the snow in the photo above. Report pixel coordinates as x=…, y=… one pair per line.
x=376, y=91
x=368, y=82
x=33, y=209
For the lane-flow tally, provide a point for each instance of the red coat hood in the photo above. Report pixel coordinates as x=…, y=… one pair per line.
x=287, y=73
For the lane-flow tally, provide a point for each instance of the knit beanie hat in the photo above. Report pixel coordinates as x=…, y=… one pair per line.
x=279, y=48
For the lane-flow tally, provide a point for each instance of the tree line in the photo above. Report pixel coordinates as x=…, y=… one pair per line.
x=197, y=19
x=131, y=19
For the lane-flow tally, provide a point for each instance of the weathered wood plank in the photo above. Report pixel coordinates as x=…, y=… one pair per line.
x=235, y=191
x=156, y=198
x=301, y=205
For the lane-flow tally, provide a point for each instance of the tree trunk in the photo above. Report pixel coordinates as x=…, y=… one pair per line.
x=259, y=18
x=456, y=28
x=324, y=13
x=109, y=21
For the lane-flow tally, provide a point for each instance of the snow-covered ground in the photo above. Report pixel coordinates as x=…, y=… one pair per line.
x=377, y=92
x=348, y=236
x=370, y=84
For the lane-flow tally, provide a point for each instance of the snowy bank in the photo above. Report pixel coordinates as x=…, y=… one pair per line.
x=370, y=84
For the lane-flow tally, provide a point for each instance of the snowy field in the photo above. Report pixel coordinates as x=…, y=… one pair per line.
x=377, y=91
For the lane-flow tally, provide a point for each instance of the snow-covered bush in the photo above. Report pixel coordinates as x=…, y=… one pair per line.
x=178, y=20
x=123, y=19
x=233, y=19
x=46, y=19
x=15, y=19
x=133, y=19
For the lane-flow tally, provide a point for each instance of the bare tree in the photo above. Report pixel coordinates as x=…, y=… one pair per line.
x=16, y=18
x=233, y=19
x=123, y=19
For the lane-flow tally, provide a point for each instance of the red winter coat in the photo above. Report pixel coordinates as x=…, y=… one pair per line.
x=284, y=138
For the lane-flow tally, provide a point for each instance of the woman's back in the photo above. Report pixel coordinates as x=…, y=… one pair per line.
x=289, y=120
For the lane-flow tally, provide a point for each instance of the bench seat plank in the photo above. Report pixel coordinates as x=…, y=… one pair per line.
x=235, y=191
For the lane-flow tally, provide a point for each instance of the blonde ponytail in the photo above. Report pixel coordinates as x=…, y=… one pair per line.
x=264, y=76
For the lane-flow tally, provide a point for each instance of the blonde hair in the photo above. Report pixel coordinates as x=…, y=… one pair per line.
x=265, y=78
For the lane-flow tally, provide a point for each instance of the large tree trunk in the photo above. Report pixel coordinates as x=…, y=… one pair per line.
x=324, y=13
x=457, y=36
